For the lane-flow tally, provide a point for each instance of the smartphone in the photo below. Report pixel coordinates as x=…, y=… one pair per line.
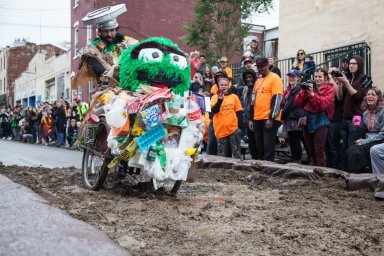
x=220, y=92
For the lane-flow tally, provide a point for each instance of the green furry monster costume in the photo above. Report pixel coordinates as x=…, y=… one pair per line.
x=156, y=61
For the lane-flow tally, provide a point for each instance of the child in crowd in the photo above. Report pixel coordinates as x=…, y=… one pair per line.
x=48, y=127
x=72, y=132
x=308, y=68
x=227, y=120
x=26, y=131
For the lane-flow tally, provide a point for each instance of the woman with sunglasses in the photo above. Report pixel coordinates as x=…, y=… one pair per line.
x=299, y=60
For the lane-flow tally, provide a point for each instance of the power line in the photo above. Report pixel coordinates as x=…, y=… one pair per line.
x=35, y=10
x=35, y=25
x=67, y=27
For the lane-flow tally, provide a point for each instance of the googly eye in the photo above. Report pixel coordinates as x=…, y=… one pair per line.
x=178, y=60
x=150, y=54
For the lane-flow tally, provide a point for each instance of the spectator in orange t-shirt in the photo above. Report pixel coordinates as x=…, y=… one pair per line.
x=223, y=65
x=227, y=119
x=264, y=116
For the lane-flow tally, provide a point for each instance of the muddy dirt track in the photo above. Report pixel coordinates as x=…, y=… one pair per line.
x=225, y=212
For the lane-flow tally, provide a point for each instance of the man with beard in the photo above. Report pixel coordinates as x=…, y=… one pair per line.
x=109, y=41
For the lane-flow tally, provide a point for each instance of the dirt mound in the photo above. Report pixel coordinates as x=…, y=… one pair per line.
x=225, y=212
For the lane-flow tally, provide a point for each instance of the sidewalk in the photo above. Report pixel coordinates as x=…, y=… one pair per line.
x=30, y=226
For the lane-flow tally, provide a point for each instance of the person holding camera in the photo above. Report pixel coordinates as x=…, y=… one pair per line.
x=316, y=98
x=352, y=92
x=334, y=145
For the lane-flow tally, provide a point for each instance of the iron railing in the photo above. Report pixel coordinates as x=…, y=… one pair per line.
x=326, y=58
x=332, y=57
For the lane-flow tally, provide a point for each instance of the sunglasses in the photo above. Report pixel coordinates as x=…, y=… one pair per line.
x=300, y=53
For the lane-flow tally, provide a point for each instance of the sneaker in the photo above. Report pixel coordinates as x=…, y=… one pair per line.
x=121, y=172
x=9, y=138
x=3, y=138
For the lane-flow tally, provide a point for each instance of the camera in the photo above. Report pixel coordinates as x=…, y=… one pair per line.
x=336, y=73
x=307, y=84
x=367, y=84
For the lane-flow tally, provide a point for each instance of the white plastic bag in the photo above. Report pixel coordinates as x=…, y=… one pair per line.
x=117, y=115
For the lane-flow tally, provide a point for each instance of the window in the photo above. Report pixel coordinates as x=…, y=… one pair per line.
x=76, y=40
x=91, y=90
x=1, y=85
x=60, y=86
x=79, y=92
x=89, y=34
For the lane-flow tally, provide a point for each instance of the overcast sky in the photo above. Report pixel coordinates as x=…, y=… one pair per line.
x=48, y=21
x=269, y=20
x=22, y=18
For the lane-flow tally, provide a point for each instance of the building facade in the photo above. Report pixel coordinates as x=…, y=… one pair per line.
x=15, y=60
x=47, y=78
x=318, y=25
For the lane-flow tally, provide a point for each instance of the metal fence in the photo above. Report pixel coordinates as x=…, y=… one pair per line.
x=326, y=58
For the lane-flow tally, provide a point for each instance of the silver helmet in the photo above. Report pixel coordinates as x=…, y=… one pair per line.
x=105, y=18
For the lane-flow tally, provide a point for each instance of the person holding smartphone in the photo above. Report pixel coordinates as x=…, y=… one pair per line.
x=227, y=120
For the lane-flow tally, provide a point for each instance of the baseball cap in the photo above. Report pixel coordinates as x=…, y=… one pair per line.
x=294, y=72
x=262, y=62
x=248, y=59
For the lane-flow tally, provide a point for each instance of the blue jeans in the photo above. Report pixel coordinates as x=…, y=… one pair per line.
x=60, y=138
x=35, y=130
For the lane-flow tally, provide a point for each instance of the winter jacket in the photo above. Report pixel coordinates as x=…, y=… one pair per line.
x=290, y=110
x=321, y=101
x=352, y=103
x=373, y=124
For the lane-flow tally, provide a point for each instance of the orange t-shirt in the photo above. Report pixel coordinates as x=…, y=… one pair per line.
x=228, y=71
x=214, y=89
x=225, y=121
x=265, y=88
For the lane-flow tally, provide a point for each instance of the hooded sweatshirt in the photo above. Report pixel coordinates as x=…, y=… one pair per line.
x=248, y=88
x=352, y=103
x=215, y=87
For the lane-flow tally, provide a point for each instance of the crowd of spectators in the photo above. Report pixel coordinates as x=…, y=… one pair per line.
x=48, y=124
x=334, y=113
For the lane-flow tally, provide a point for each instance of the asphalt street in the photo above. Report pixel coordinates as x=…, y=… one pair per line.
x=22, y=154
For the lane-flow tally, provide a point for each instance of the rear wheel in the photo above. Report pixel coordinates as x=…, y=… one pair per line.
x=95, y=163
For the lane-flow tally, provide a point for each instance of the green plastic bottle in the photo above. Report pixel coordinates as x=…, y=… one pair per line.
x=151, y=156
x=161, y=154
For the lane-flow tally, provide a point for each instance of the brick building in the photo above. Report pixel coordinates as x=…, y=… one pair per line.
x=14, y=61
x=144, y=18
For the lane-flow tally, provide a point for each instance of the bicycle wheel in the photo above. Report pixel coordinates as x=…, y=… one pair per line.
x=95, y=162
